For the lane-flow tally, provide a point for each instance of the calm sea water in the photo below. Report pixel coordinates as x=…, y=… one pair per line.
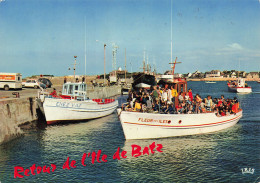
x=215, y=157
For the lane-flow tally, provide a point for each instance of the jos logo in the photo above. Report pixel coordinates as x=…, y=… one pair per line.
x=247, y=170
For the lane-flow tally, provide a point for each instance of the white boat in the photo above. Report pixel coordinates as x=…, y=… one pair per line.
x=137, y=125
x=73, y=105
x=210, y=82
x=166, y=78
x=239, y=86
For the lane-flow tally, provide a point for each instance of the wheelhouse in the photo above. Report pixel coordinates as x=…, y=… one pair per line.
x=74, y=90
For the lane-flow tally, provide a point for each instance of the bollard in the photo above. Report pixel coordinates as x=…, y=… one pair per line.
x=17, y=95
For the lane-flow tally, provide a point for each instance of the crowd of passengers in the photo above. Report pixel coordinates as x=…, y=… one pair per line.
x=162, y=100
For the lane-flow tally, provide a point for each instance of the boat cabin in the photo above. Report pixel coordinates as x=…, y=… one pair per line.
x=76, y=90
x=179, y=84
x=241, y=82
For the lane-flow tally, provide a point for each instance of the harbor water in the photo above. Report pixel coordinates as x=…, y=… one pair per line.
x=230, y=155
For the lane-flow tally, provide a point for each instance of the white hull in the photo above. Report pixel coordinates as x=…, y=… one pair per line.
x=240, y=89
x=149, y=125
x=166, y=78
x=57, y=110
x=142, y=85
x=210, y=82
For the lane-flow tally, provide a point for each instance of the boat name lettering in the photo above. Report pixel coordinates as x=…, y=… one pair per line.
x=67, y=104
x=153, y=120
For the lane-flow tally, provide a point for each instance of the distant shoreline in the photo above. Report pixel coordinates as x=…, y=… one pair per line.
x=221, y=79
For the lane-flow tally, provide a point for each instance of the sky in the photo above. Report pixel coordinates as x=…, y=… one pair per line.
x=43, y=36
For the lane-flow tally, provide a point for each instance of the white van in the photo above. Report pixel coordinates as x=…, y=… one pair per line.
x=10, y=80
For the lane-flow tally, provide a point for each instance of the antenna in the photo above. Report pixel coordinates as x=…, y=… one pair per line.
x=114, y=51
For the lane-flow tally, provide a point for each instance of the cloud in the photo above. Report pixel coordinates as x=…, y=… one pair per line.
x=230, y=49
x=234, y=46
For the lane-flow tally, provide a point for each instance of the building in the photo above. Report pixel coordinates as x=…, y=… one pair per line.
x=213, y=74
x=252, y=75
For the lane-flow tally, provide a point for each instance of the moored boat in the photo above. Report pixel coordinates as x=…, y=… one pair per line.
x=144, y=80
x=73, y=105
x=239, y=86
x=210, y=82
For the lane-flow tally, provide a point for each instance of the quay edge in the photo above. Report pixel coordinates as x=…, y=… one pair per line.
x=13, y=113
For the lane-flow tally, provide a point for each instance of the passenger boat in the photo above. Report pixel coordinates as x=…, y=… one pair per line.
x=138, y=125
x=73, y=105
x=239, y=86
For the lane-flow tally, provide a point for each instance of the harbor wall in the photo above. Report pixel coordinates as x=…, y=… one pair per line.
x=103, y=92
x=14, y=112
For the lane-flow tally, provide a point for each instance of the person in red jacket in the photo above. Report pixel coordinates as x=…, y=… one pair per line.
x=53, y=93
x=190, y=94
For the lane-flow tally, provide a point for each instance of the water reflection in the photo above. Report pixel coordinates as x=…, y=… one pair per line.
x=182, y=158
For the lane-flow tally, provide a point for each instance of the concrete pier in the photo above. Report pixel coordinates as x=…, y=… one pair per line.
x=14, y=112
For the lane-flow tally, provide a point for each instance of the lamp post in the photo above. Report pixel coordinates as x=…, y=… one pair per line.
x=104, y=61
x=74, y=68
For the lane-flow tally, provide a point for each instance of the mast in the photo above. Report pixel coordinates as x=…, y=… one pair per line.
x=144, y=63
x=171, y=31
x=125, y=65
x=85, y=53
x=174, y=63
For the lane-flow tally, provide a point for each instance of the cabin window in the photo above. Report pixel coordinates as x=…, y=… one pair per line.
x=19, y=78
x=65, y=89
x=70, y=89
x=76, y=87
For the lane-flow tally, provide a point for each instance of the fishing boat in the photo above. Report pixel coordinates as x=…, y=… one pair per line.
x=74, y=105
x=145, y=79
x=239, y=86
x=168, y=76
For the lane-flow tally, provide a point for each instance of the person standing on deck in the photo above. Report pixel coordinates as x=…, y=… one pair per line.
x=190, y=94
x=174, y=94
x=155, y=95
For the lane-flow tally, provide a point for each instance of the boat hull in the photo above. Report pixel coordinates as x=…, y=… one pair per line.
x=149, y=125
x=64, y=110
x=143, y=85
x=143, y=80
x=240, y=89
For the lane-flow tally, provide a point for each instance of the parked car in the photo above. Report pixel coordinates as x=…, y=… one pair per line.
x=45, y=81
x=31, y=83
